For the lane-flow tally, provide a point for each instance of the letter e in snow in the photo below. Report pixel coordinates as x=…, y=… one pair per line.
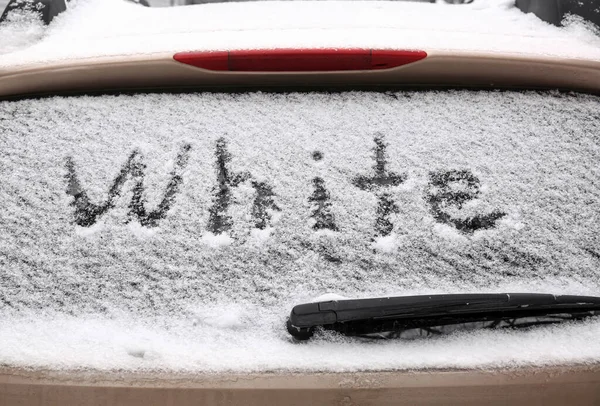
x=455, y=188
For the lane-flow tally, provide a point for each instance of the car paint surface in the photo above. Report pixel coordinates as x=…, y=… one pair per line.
x=535, y=386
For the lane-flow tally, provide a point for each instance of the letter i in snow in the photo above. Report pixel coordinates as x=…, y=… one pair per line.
x=320, y=200
x=323, y=218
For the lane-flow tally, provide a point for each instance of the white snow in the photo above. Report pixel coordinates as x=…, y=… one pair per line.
x=185, y=299
x=93, y=28
x=89, y=231
x=225, y=316
x=387, y=244
x=261, y=236
x=328, y=297
x=450, y=233
x=184, y=346
x=328, y=234
x=20, y=30
x=140, y=231
x=512, y=222
x=217, y=241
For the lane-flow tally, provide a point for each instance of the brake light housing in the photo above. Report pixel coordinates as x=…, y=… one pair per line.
x=300, y=60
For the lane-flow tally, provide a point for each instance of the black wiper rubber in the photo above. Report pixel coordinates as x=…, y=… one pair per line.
x=363, y=317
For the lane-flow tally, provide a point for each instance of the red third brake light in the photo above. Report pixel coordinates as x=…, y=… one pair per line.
x=299, y=60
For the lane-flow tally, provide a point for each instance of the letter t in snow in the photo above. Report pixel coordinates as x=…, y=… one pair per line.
x=379, y=183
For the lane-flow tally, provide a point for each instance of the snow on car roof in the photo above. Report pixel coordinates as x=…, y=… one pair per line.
x=96, y=28
x=176, y=231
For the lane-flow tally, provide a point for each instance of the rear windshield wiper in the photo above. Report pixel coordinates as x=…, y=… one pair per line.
x=407, y=316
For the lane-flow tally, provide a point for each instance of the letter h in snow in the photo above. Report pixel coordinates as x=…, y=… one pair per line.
x=219, y=220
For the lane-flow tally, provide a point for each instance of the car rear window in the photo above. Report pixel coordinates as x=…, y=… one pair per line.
x=185, y=205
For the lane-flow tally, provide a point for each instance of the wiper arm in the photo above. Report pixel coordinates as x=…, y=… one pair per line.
x=390, y=316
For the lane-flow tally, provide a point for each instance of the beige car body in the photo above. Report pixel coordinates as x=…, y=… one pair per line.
x=523, y=386
x=440, y=68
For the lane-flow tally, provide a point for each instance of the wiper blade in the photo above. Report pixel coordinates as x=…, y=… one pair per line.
x=391, y=316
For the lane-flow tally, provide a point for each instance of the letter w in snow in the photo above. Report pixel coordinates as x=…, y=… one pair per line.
x=87, y=213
